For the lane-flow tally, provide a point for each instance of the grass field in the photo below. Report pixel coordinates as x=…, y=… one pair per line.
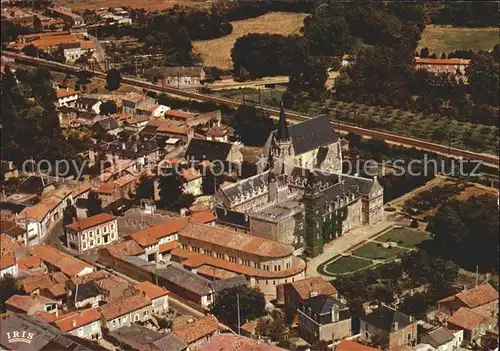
x=346, y=265
x=447, y=39
x=149, y=5
x=374, y=252
x=404, y=237
x=217, y=52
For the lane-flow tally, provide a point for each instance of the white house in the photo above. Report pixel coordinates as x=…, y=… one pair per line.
x=84, y=324
x=125, y=311
x=88, y=233
x=66, y=97
x=157, y=295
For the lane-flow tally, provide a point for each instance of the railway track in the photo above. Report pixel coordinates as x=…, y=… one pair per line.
x=487, y=159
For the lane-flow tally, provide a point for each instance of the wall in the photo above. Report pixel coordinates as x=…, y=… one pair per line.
x=141, y=314
x=339, y=330
x=91, y=331
x=93, y=237
x=400, y=337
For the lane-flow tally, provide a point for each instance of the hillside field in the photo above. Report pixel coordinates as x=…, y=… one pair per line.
x=217, y=52
x=149, y=5
x=447, y=39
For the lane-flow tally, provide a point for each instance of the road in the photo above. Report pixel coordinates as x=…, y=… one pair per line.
x=487, y=159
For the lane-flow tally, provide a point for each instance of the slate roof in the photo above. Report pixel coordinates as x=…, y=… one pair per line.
x=147, y=339
x=186, y=279
x=33, y=185
x=107, y=124
x=384, y=318
x=201, y=149
x=364, y=185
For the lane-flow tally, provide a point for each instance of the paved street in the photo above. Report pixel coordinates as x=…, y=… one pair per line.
x=349, y=240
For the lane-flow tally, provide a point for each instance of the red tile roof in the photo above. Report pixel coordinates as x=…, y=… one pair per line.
x=30, y=284
x=77, y=319
x=123, y=306
x=467, y=319
x=151, y=290
x=125, y=248
x=29, y=262
x=67, y=264
x=7, y=261
x=26, y=303
x=203, y=217
x=305, y=287
x=198, y=329
x=152, y=234
x=237, y=241
x=478, y=296
x=167, y=247
x=179, y=114
x=8, y=245
x=46, y=316
x=94, y=221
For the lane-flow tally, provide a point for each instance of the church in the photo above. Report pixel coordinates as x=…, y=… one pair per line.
x=300, y=195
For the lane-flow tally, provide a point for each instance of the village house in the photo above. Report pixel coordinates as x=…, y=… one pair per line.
x=200, y=150
x=482, y=299
x=400, y=329
x=167, y=128
x=35, y=285
x=8, y=265
x=85, y=295
x=88, y=102
x=324, y=318
x=66, y=97
x=351, y=345
x=177, y=77
x=114, y=193
x=144, y=151
x=193, y=181
x=131, y=102
x=456, y=66
x=84, y=324
x=31, y=304
x=265, y=263
x=474, y=324
x=73, y=19
x=157, y=295
x=114, y=288
x=199, y=332
x=217, y=133
x=89, y=233
x=152, y=110
x=124, y=249
x=125, y=311
x=58, y=261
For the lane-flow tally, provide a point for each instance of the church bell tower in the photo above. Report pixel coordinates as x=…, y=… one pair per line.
x=284, y=141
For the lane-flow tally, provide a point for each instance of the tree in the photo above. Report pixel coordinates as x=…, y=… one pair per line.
x=8, y=287
x=171, y=191
x=251, y=125
x=310, y=77
x=113, y=79
x=30, y=50
x=251, y=301
x=94, y=204
x=145, y=188
x=108, y=108
x=37, y=24
x=69, y=213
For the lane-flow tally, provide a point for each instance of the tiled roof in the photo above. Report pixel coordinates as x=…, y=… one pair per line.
x=8, y=245
x=192, y=282
x=113, y=287
x=236, y=241
x=450, y=61
x=91, y=277
x=46, y=316
x=168, y=246
x=203, y=217
x=123, y=306
x=62, y=93
x=230, y=342
x=467, y=319
x=29, y=262
x=190, y=174
x=78, y=319
x=217, y=131
x=77, y=191
x=179, y=114
x=151, y=290
x=25, y=303
x=218, y=273
x=29, y=284
x=11, y=228
x=6, y=261
x=133, y=97
x=56, y=290
x=478, y=296
x=305, y=287
x=125, y=248
x=86, y=223
x=200, y=328
x=67, y=264
x=349, y=345
x=40, y=210
x=150, y=235
x=107, y=188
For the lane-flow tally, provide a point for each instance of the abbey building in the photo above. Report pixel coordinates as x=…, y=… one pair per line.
x=301, y=196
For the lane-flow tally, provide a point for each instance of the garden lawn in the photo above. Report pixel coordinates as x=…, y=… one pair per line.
x=345, y=265
x=372, y=251
x=404, y=237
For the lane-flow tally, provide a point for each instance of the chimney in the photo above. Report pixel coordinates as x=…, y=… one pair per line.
x=313, y=293
x=123, y=146
x=73, y=323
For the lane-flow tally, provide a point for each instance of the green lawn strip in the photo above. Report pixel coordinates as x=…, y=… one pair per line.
x=373, y=251
x=404, y=237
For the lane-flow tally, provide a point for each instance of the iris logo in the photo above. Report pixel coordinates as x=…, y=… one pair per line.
x=15, y=336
